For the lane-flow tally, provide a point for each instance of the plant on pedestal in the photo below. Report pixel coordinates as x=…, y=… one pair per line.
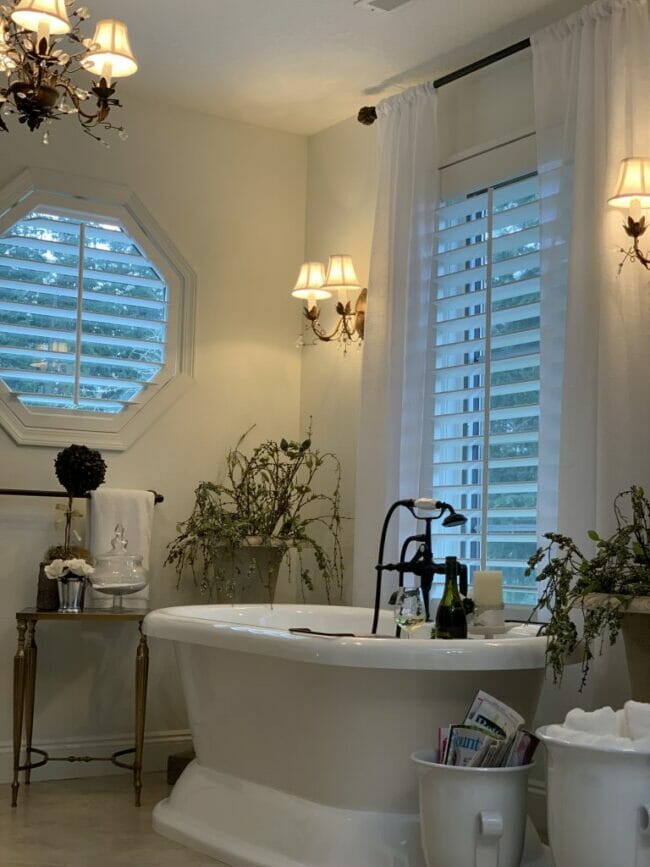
x=611, y=590
x=280, y=498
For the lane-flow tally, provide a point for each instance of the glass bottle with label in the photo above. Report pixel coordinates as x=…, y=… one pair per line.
x=451, y=621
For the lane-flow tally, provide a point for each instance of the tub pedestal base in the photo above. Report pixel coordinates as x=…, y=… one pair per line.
x=244, y=824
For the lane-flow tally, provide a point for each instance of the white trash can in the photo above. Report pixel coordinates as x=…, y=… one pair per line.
x=471, y=817
x=598, y=805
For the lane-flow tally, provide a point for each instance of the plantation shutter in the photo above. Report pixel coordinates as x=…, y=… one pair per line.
x=83, y=315
x=484, y=378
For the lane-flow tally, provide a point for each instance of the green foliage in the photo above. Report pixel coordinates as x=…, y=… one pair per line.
x=272, y=495
x=80, y=469
x=620, y=568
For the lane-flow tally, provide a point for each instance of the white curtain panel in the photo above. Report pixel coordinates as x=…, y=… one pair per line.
x=394, y=365
x=592, y=100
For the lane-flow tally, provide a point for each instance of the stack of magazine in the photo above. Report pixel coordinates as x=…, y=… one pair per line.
x=491, y=736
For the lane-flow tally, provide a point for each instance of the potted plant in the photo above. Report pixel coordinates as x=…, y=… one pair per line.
x=611, y=590
x=281, y=497
x=70, y=576
x=80, y=470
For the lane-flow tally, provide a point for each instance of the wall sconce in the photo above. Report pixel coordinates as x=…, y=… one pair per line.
x=315, y=285
x=633, y=193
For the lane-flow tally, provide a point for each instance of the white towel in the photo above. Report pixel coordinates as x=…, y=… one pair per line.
x=134, y=510
x=598, y=722
x=637, y=715
x=589, y=739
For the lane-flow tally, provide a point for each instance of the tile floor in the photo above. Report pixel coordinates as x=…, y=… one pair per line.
x=88, y=823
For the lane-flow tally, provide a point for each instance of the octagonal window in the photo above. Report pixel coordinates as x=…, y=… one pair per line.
x=83, y=314
x=96, y=318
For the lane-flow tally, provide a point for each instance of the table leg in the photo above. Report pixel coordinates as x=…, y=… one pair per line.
x=19, y=703
x=30, y=691
x=141, y=676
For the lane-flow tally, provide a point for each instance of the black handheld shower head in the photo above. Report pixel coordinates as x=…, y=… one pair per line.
x=453, y=519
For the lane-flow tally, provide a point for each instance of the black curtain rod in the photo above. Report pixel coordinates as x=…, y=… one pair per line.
x=368, y=114
x=60, y=495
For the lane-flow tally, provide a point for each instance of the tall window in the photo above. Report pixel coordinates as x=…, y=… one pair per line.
x=481, y=454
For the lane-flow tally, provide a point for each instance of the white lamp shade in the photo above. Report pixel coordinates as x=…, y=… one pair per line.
x=51, y=13
x=112, y=52
x=633, y=183
x=341, y=275
x=310, y=282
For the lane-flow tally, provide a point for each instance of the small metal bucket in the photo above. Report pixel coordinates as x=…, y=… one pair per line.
x=71, y=594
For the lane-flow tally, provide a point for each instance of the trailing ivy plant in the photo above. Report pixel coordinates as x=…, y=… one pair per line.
x=283, y=495
x=620, y=568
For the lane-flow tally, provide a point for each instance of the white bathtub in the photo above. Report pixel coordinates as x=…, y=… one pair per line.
x=303, y=743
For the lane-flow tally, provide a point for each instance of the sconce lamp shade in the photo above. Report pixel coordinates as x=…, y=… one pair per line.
x=633, y=183
x=51, y=14
x=112, y=54
x=310, y=282
x=341, y=275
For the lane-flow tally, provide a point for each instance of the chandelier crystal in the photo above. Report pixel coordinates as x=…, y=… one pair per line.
x=42, y=51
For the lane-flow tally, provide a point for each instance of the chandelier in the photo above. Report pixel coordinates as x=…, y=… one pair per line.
x=42, y=51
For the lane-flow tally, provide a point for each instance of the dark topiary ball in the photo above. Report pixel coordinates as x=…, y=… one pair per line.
x=80, y=469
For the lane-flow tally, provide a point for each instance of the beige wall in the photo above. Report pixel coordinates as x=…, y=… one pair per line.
x=231, y=197
x=340, y=204
x=473, y=113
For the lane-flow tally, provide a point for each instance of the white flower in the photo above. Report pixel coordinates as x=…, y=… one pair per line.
x=55, y=569
x=62, y=568
x=79, y=567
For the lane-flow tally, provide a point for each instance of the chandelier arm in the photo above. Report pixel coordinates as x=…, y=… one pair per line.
x=644, y=260
x=72, y=93
x=350, y=334
x=85, y=119
x=313, y=316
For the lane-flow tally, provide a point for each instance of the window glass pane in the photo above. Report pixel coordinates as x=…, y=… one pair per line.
x=483, y=450
x=49, y=356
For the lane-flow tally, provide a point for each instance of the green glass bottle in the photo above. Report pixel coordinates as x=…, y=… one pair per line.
x=451, y=621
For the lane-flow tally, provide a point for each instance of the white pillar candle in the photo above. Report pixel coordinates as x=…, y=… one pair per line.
x=488, y=589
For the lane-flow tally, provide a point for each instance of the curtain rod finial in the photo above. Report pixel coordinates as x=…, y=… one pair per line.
x=367, y=115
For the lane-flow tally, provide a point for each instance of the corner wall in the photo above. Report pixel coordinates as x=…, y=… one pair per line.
x=340, y=212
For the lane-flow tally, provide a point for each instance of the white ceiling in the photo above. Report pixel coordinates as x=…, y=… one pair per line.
x=303, y=65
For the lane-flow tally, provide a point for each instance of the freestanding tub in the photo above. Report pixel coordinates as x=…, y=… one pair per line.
x=303, y=742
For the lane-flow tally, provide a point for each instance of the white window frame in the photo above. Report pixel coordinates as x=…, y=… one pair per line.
x=90, y=199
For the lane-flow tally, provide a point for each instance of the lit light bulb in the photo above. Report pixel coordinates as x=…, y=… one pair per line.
x=635, y=210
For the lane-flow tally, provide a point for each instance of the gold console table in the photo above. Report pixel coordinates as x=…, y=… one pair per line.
x=25, y=693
